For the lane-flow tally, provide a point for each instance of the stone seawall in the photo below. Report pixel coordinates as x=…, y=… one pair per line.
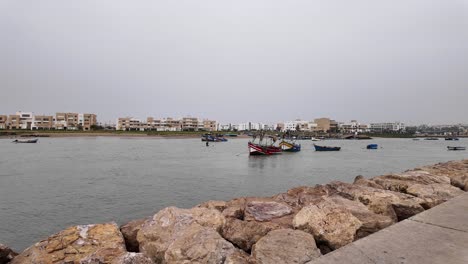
x=297, y=226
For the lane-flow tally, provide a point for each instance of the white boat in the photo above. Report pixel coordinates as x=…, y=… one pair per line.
x=315, y=139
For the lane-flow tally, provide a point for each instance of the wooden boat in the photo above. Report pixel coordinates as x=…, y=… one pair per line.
x=263, y=147
x=289, y=146
x=372, y=146
x=326, y=148
x=25, y=141
x=456, y=148
x=211, y=138
x=451, y=138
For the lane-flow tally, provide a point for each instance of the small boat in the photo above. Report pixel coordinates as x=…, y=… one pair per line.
x=211, y=138
x=372, y=146
x=431, y=138
x=289, y=146
x=456, y=148
x=25, y=141
x=326, y=148
x=416, y=139
x=451, y=138
x=315, y=139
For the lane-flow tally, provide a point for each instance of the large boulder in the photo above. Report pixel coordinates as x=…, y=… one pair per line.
x=457, y=171
x=396, y=205
x=169, y=224
x=285, y=246
x=132, y=258
x=6, y=254
x=330, y=224
x=214, y=204
x=434, y=194
x=265, y=210
x=239, y=257
x=101, y=243
x=303, y=195
x=244, y=234
x=129, y=232
x=371, y=222
x=199, y=244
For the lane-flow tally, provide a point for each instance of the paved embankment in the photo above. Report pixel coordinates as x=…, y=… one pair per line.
x=438, y=235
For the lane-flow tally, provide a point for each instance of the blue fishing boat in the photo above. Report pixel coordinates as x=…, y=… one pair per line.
x=326, y=148
x=290, y=146
x=372, y=146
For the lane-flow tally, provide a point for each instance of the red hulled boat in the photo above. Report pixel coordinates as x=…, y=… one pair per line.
x=263, y=149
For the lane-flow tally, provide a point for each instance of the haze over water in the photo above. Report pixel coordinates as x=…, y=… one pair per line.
x=60, y=182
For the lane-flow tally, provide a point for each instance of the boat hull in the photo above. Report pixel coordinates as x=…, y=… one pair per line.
x=26, y=141
x=256, y=149
x=456, y=148
x=290, y=147
x=372, y=146
x=326, y=148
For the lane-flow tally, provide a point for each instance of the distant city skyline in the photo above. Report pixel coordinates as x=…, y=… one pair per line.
x=263, y=61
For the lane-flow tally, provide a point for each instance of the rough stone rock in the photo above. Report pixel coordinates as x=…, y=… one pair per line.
x=244, y=234
x=457, y=171
x=218, y=205
x=6, y=254
x=396, y=205
x=360, y=180
x=303, y=195
x=285, y=246
x=158, y=233
x=371, y=222
x=101, y=243
x=328, y=223
x=199, y=245
x=265, y=210
x=132, y=258
x=235, y=208
x=129, y=232
x=239, y=257
x=434, y=194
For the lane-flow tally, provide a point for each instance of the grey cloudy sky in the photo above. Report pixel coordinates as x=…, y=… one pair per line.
x=261, y=60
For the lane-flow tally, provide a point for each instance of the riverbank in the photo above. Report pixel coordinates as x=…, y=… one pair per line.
x=259, y=229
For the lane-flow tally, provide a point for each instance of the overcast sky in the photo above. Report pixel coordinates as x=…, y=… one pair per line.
x=237, y=61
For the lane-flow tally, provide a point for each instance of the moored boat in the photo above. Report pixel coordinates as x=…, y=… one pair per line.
x=326, y=148
x=263, y=147
x=25, y=141
x=456, y=148
x=431, y=138
x=315, y=139
x=372, y=146
x=211, y=138
x=451, y=138
x=290, y=146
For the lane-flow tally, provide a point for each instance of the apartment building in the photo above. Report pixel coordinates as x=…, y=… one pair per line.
x=387, y=127
x=41, y=122
x=87, y=121
x=130, y=124
x=302, y=125
x=191, y=124
x=250, y=126
x=163, y=124
x=3, y=121
x=209, y=125
x=14, y=122
x=326, y=125
x=67, y=121
x=353, y=127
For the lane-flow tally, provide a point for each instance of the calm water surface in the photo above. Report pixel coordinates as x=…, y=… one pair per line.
x=59, y=182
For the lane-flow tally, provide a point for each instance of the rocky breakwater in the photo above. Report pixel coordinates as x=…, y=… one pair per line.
x=297, y=226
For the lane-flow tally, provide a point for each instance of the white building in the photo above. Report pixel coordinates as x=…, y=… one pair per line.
x=387, y=127
x=26, y=119
x=353, y=127
x=250, y=126
x=301, y=124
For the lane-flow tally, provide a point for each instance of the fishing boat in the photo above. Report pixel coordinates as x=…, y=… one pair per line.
x=415, y=139
x=456, y=148
x=264, y=146
x=451, y=138
x=431, y=138
x=315, y=139
x=25, y=141
x=372, y=146
x=326, y=148
x=290, y=146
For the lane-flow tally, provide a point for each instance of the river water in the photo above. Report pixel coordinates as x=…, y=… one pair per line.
x=59, y=182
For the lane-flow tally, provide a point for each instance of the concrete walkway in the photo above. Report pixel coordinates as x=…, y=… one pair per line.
x=438, y=235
